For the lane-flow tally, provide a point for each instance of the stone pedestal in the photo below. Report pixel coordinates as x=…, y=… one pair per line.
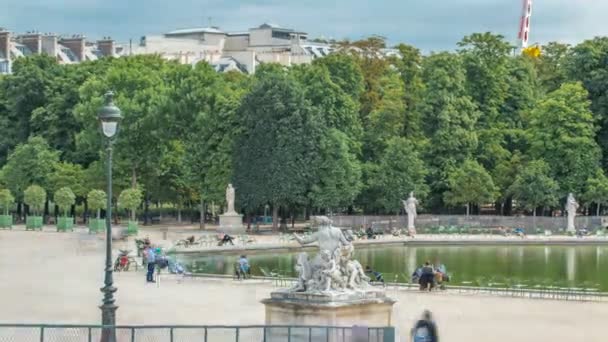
x=232, y=223
x=370, y=307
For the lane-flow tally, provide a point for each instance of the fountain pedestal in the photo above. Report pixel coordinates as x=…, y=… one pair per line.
x=369, y=307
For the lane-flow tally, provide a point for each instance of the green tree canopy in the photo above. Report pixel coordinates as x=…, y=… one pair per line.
x=30, y=163
x=6, y=200
x=130, y=199
x=67, y=175
x=596, y=190
x=562, y=133
x=65, y=199
x=533, y=186
x=34, y=196
x=470, y=183
x=399, y=172
x=97, y=200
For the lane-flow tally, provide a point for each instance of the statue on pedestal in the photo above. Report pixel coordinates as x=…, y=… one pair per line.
x=332, y=269
x=230, y=200
x=410, y=209
x=571, y=207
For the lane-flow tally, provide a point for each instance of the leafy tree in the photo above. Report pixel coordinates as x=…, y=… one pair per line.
x=339, y=173
x=130, y=199
x=596, y=190
x=470, y=183
x=552, y=66
x=449, y=117
x=6, y=200
x=277, y=146
x=345, y=72
x=409, y=64
x=503, y=176
x=34, y=196
x=30, y=163
x=65, y=199
x=562, y=133
x=533, y=187
x=586, y=63
x=97, y=200
x=67, y=175
x=399, y=171
x=486, y=57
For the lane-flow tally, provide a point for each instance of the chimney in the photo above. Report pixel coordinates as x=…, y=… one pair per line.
x=33, y=41
x=106, y=47
x=49, y=45
x=76, y=44
x=5, y=44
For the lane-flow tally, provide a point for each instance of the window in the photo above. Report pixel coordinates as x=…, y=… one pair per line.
x=281, y=34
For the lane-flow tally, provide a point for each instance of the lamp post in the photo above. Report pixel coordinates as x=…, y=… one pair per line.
x=109, y=117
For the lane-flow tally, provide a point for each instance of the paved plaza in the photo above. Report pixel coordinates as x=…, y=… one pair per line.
x=50, y=277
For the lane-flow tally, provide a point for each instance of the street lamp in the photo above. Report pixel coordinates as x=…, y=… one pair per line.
x=109, y=117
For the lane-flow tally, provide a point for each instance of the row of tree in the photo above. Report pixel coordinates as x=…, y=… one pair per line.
x=351, y=132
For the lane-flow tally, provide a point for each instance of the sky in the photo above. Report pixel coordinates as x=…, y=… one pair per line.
x=431, y=25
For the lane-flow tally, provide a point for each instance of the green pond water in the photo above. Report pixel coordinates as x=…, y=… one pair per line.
x=573, y=266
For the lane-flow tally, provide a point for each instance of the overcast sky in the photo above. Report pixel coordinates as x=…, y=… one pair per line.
x=429, y=24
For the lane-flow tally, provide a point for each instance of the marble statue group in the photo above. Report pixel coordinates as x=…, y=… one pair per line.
x=333, y=269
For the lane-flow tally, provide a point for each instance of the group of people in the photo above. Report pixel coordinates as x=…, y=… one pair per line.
x=153, y=259
x=429, y=275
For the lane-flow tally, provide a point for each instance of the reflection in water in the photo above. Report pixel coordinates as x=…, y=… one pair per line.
x=571, y=263
x=532, y=264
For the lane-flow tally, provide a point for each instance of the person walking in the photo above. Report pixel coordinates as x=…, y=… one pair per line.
x=151, y=261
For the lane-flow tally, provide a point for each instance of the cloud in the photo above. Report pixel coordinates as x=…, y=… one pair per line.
x=430, y=25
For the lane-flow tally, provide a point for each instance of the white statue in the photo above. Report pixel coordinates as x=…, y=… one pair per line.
x=333, y=269
x=571, y=207
x=230, y=200
x=410, y=209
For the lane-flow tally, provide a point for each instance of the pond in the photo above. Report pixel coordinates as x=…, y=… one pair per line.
x=573, y=266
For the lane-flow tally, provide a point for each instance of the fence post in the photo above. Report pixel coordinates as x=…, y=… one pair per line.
x=289, y=333
x=237, y=334
x=132, y=334
x=205, y=334
x=90, y=339
x=309, y=334
x=171, y=334
x=41, y=334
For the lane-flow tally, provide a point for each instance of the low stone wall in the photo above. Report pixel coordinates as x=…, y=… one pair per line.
x=474, y=221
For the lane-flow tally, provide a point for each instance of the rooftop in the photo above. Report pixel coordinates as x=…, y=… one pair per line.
x=196, y=30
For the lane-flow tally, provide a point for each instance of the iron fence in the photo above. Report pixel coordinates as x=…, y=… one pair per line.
x=262, y=333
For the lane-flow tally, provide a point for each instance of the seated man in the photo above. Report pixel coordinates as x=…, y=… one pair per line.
x=377, y=276
x=225, y=239
x=370, y=233
x=244, y=268
x=427, y=278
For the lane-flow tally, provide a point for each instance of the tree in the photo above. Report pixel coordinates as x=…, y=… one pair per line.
x=345, y=72
x=67, y=175
x=552, y=66
x=533, y=187
x=485, y=57
x=470, y=183
x=449, y=117
x=596, y=190
x=130, y=199
x=30, y=163
x=277, y=146
x=399, y=171
x=339, y=173
x=65, y=199
x=562, y=133
x=409, y=64
x=586, y=63
x=97, y=200
x=34, y=196
x=6, y=200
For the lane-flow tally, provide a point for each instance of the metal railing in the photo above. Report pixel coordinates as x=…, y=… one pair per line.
x=187, y=333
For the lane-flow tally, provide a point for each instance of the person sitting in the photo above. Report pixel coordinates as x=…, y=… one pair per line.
x=370, y=233
x=190, y=240
x=427, y=277
x=520, y=232
x=225, y=239
x=244, y=269
x=375, y=275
